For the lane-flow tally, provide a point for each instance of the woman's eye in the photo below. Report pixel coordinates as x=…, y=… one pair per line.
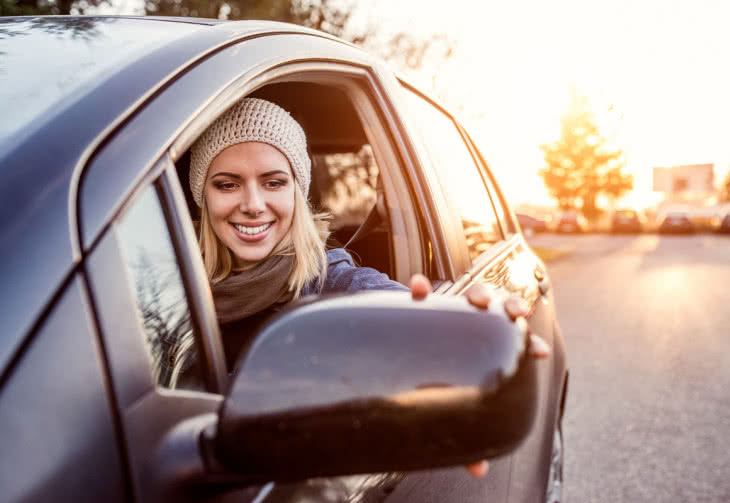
x=275, y=184
x=225, y=185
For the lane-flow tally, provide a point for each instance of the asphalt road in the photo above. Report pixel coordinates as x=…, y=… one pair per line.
x=647, y=325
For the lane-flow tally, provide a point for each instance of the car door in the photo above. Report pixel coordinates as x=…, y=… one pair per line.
x=59, y=439
x=486, y=248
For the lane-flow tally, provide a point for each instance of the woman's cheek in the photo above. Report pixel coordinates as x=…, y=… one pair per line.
x=285, y=202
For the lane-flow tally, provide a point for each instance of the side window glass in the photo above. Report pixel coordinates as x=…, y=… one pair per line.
x=458, y=174
x=161, y=300
x=499, y=208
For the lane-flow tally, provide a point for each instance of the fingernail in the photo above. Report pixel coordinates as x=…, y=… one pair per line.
x=516, y=306
x=479, y=470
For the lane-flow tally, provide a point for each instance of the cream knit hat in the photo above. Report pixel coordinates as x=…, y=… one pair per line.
x=251, y=119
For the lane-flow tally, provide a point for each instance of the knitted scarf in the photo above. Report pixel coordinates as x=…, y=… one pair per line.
x=251, y=291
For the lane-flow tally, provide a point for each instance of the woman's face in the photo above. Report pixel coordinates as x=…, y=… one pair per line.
x=250, y=197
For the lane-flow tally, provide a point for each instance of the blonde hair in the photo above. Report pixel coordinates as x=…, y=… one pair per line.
x=305, y=240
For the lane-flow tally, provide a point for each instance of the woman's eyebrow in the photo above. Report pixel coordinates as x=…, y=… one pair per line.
x=225, y=173
x=274, y=172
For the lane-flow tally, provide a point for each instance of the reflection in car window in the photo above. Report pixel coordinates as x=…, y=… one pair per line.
x=459, y=175
x=346, y=184
x=46, y=61
x=160, y=294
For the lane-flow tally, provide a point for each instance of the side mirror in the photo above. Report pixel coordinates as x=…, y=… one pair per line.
x=377, y=382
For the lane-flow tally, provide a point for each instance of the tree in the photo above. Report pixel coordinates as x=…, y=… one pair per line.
x=331, y=16
x=46, y=7
x=581, y=165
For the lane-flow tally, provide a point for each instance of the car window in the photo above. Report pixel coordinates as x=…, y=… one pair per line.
x=458, y=174
x=498, y=202
x=160, y=294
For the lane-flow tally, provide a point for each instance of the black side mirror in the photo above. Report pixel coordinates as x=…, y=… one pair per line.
x=377, y=382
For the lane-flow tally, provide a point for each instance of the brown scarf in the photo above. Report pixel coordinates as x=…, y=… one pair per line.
x=248, y=292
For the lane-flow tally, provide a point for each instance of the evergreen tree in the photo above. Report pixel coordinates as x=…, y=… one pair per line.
x=581, y=165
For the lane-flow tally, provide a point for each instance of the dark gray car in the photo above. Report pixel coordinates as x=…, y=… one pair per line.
x=113, y=381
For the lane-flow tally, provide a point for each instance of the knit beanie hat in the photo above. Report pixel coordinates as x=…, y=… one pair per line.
x=251, y=119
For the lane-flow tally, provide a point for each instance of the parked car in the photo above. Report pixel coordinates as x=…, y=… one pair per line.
x=724, y=226
x=571, y=222
x=530, y=224
x=113, y=382
x=627, y=221
x=677, y=223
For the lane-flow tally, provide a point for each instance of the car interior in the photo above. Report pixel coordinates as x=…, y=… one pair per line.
x=346, y=182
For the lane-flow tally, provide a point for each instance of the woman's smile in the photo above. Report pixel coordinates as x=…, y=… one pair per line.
x=251, y=232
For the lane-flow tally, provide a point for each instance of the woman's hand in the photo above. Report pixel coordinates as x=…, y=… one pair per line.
x=479, y=296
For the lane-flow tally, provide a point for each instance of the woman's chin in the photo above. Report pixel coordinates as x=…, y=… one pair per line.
x=249, y=256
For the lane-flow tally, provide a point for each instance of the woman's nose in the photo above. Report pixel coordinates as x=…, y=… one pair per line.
x=252, y=202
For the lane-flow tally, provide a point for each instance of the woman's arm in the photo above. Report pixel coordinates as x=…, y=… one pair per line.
x=343, y=276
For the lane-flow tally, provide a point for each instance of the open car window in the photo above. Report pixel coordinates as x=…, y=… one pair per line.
x=346, y=179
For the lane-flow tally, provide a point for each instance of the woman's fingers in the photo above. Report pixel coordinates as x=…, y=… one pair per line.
x=516, y=307
x=479, y=296
x=478, y=469
x=420, y=286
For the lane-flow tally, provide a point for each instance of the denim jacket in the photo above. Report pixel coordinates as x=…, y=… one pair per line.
x=343, y=276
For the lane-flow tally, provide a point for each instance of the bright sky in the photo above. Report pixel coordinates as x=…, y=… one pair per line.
x=659, y=66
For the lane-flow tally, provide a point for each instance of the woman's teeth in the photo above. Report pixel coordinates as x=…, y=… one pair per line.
x=251, y=230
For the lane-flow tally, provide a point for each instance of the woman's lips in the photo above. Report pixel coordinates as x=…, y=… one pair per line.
x=253, y=238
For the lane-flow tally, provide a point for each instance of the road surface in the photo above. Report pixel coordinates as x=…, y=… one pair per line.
x=647, y=325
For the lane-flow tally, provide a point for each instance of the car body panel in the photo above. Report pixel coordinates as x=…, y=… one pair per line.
x=59, y=440
x=724, y=226
x=677, y=223
x=516, y=270
x=571, y=222
x=62, y=53
x=627, y=221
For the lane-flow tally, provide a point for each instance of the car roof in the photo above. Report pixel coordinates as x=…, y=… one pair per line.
x=91, y=74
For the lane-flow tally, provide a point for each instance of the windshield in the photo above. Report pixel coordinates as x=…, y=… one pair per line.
x=51, y=61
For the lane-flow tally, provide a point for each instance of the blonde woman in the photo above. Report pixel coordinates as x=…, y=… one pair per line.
x=262, y=245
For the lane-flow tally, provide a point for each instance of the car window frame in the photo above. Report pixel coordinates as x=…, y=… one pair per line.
x=509, y=226
x=163, y=180
x=464, y=268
